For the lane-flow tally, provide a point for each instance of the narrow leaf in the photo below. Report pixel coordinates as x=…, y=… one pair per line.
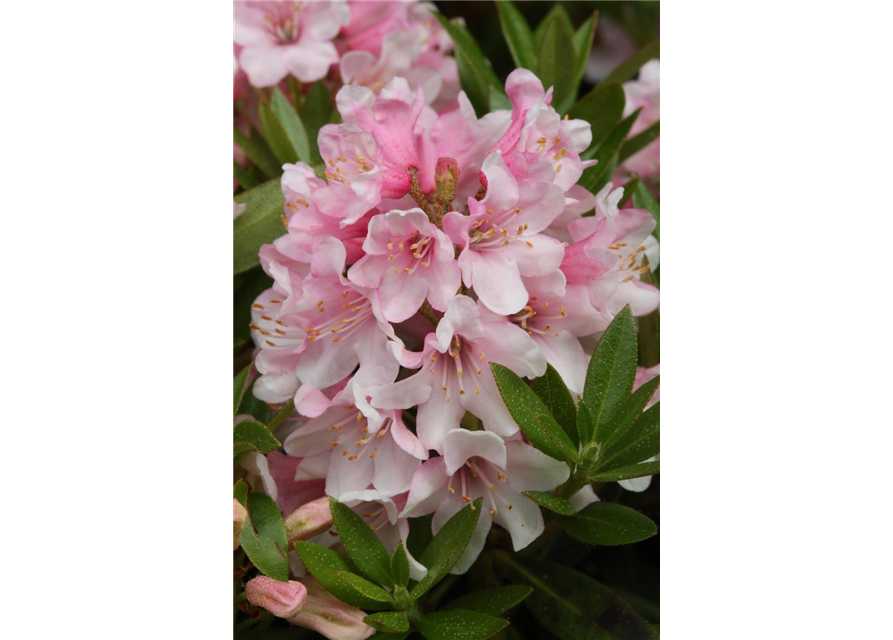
x=626, y=473
x=315, y=113
x=281, y=415
x=643, y=199
x=292, y=125
x=518, y=35
x=628, y=68
x=388, y=621
x=607, y=154
x=551, y=502
x=606, y=523
x=475, y=73
x=584, y=423
x=555, y=395
x=240, y=492
x=460, y=625
x=583, y=38
x=446, y=547
x=556, y=10
x=363, y=587
x=629, y=411
x=263, y=537
x=628, y=189
x=256, y=434
x=556, y=61
x=259, y=224
x=491, y=601
x=244, y=176
x=362, y=545
x=602, y=108
x=640, y=442
x=275, y=135
x=612, y=370
x=258, y=152
x=240, y=385
x=639, y=141
x=533, y=416
x=400, y=566
x=328, y=567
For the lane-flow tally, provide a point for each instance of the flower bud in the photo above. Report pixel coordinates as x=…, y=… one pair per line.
x=309, y=520
x=329, y=616
x=240, y=515
x=446, y=177
x=282, y=599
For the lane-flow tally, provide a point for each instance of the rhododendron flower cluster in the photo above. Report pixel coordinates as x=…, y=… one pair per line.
x=429, y=248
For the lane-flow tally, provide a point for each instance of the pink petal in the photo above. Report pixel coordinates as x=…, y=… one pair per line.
x=459, y=445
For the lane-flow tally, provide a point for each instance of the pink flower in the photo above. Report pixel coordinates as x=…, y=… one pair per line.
x=607, y=256
x=456, y=376
x=240, y=515
x=408, y=260
x=480, y=464
x=320, y=330
x=308, y=520
x=330, y=617
x=644, y=93
x=281, y=38
x=501, y=237
x=282, y=599
x=354, y=446
x=643, y=375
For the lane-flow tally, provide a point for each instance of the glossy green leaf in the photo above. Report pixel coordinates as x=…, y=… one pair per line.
x=628, y=188
x=602, y=108
x=557, y=398
x=640, y=442
x=263, y=537
x=573, y=606
x=607, y=154
x=460, y=625
x=551, y=502
x=281, y=415
x=475, y=73
x=533, y=416
x=363, y=587
x=556, y=10
x=259, y=224
x=446, y=547
x=518, y=35
x=258, y=152
x=639, y=141
x=255, y=407
x=491, y=601
x=629, y=411
x=585, y=427
x=245, y=176
x=256, y=434
x=362, y=545
x=643, y=199
x=388, y=621
x=328, y=568
x=240, y=385
x=612, y=370
x=583, y=38
x=240, y=492
x=628, y=472
x=556, y=62
x=400, y=565
x=275, y=135
x=316, y=113
x=292, y=126
x=606, y=523
x=629, y=67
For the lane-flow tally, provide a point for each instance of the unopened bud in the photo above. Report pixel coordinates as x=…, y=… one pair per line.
x=329, y=616
x=282, y=599
x=446, y=177
x=308, y=521
x=240, y=515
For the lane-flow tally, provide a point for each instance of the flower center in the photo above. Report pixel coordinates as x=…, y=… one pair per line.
x=474, y=482
x=417, y=249
x=539, y=317
x=630, y=260
x=459, y=360
x=283, y=24
x=342, y=319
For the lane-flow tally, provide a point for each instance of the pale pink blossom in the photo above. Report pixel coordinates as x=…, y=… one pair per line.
x=481, y=464
x=455, y=373
x=408, y=260
x=282, y=38
x=308, y=520
x=501, y=237
x=644, y=93
x=644, y=375
x=330, y=617
x=282, y=599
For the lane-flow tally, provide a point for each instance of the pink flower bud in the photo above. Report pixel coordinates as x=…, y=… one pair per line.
x=446, y=177
x=239, y=517
x=329, y=616
x=308, y=521
x=282, y=599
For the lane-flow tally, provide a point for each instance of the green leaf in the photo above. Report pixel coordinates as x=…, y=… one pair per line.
x=315, y=113
x=551, y=502
x=533, y=416
x=388, y=621
x=627, y=414
x=329, y=567
x=244, y=175
x=258, y=409
x=364, y=588
x=556, y=61
x=639, y=141
x=628, y=188
x=263, y=537
x=584, y=422
x=518, y=35
x=240, y=492
x=446, y=547
x=275, y=134
x=602, y=108
x=292, y=126
x=460, y=625
x=628, y=68
x=256, y=434
x=240, y=384
x=606, y=523
x=612, y=370
x=362, y=545
x=643, y=199
x=400, y=566
x=556, y=10
x=607, y=154
x=281, y=415
x=498, y=100
x=626, y=473
x=420, y=535
x=258, y=152
x=641, y=441
x=475, y=73
x=583, y=38
x=555, y=395
x=259, y=224
x=573, y=606
x=491, y=601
